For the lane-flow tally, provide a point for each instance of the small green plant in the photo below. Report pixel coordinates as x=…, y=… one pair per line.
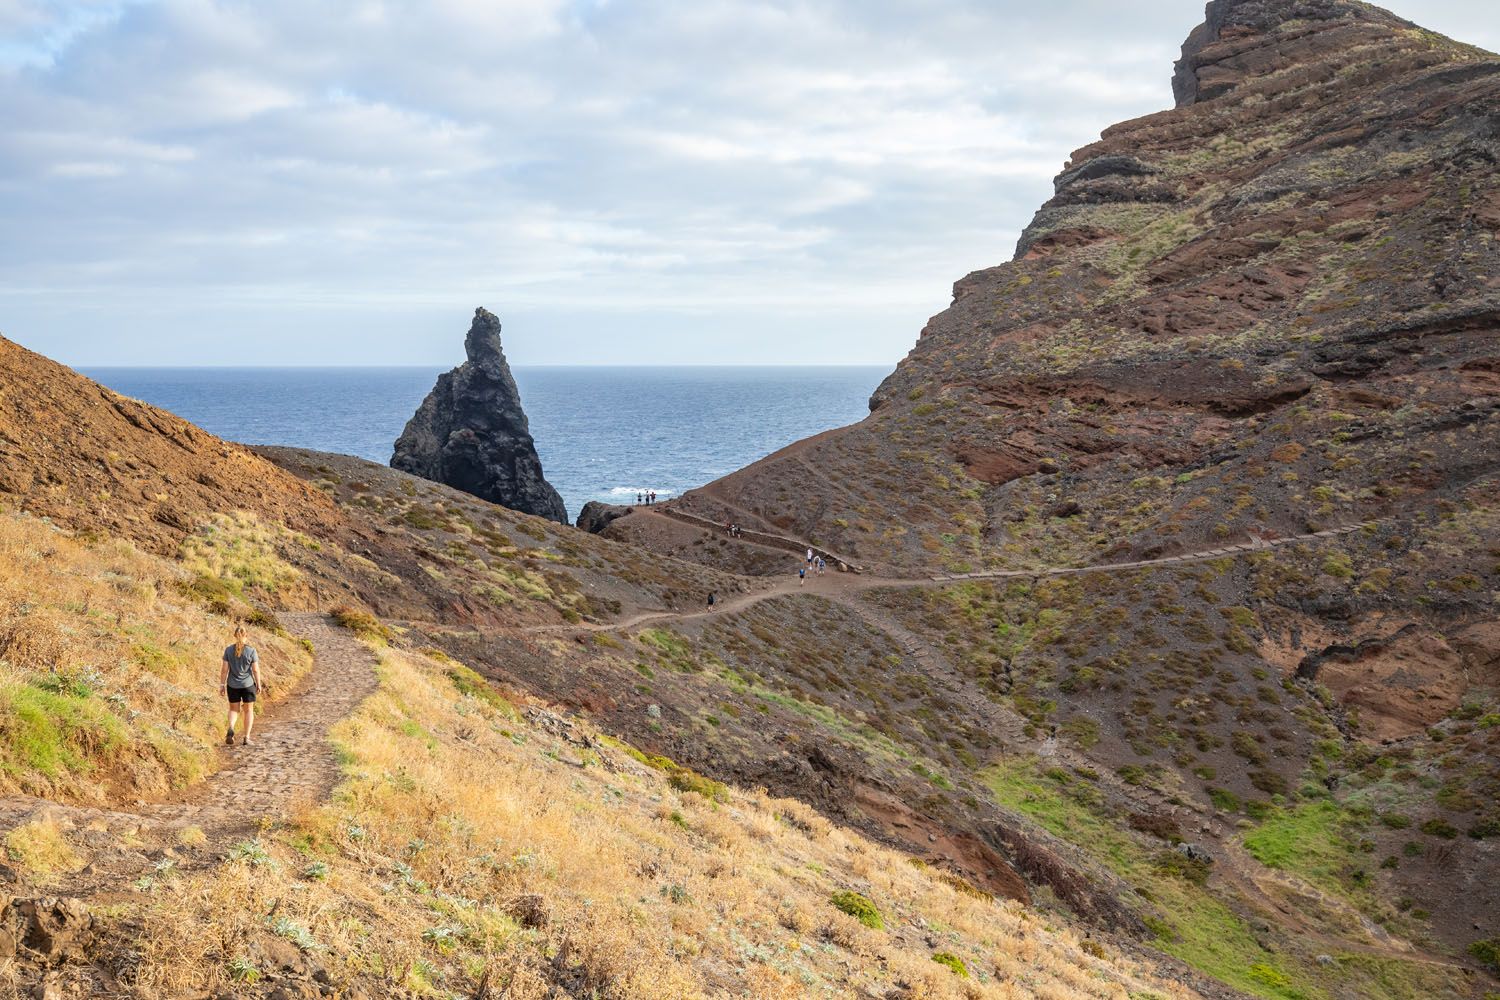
x=250, y=851
x=859, y=907
x=294, y=932
x=445, y=939
x=242, y=970
x=953, y=962
x=317, y=871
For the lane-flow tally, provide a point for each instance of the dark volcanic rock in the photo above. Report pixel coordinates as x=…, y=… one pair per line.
x=471, y=433
x=597, y=515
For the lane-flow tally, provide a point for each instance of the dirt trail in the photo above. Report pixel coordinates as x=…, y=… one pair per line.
x=837, y=585
x=290, y=764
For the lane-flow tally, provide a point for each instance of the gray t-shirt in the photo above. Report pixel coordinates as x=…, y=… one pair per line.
x=240, y=664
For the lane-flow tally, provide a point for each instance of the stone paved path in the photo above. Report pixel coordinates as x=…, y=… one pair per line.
x=289, y=764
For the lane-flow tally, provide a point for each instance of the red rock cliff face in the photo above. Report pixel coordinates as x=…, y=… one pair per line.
x=1271, y=308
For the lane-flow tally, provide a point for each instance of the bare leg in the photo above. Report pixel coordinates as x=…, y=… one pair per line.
x=247, y=710
x=234, y=710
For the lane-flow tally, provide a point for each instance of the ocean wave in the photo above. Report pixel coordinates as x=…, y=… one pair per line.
x=630, y=491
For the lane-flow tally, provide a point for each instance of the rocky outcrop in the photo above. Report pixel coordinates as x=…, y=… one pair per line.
x=470, y=432
x=1241, y=39
x=597, y=515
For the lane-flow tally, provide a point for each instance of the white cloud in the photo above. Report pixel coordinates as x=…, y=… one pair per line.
x=638, y=181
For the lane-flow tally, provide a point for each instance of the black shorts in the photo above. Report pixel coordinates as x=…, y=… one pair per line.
x=237, y=695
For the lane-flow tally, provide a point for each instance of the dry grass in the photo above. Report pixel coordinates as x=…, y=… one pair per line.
x=41, y=850
x=242, y=551
x=108, y=673
x=464, y=840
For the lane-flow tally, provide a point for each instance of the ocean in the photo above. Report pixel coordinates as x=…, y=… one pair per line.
x=602, y=433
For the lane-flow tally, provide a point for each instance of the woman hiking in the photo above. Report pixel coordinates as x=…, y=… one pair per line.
x=239, y=680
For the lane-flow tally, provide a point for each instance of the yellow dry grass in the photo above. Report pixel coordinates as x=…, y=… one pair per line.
x=108, y=673
x=41, y=850
x=467, y=840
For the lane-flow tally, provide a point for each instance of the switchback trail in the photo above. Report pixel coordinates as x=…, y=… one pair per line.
x=833, y=584
x=290, y=765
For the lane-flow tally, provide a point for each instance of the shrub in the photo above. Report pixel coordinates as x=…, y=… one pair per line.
x=859, y=907
x=474, y=686
x=1223, y=799
x=361, y=623
x=1487, y=952
x=953, y=962
x=1437, y=827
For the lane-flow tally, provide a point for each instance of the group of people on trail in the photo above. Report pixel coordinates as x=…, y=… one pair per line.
x=646, y=498
x=733, y=530
x=815, y=564
x=239, y=681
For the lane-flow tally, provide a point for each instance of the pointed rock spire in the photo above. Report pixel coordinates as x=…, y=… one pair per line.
x=472, y=434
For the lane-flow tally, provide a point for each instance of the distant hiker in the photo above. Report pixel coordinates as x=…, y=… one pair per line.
x=809, y=558
x=640, y=498
x=651, y=497
x=801, y=575
x=710, y=598
x=821, y=565
x=239, y=679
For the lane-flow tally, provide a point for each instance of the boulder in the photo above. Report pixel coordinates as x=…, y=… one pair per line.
x=470, y=432
x=596, y=515
x=50, y=929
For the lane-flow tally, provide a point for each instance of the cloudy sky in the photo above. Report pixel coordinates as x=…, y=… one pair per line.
x=622, y=181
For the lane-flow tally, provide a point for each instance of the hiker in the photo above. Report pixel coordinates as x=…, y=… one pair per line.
x=710, y=598
x=640, y=498
x=809, y=557
x=239, y=679
x=821, y=565
x=801, y=575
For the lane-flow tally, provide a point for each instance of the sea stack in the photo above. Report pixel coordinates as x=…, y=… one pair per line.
x=471, y=433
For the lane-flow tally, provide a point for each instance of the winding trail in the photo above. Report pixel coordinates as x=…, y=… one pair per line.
x=839, y=585
x=290, y=765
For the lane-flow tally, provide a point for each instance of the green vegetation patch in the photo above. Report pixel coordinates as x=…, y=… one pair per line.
x=471, y=684
x=1189, y=922
x=55, y=728
x=860, y=908
x=1314, y=840
x=953, y=962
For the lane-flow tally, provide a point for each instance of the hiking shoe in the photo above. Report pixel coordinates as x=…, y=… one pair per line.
x=229, y=738
x=245, y=741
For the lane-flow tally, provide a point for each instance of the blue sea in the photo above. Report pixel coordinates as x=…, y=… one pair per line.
x=602, y=433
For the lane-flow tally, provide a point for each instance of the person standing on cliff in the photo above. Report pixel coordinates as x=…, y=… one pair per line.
x=239, y=679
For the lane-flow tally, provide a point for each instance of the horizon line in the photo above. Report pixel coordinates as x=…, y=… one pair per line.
x=706, y=364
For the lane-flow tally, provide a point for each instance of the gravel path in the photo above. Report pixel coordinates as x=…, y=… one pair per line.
x=289, y=764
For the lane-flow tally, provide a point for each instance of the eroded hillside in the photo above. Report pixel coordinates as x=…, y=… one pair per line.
x=1171, y=667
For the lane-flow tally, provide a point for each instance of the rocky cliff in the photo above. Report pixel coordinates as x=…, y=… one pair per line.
x=471, y=433
x=1268, y=312
x=1302, y=252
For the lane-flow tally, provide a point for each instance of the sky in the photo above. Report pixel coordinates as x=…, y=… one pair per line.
x=296, y=182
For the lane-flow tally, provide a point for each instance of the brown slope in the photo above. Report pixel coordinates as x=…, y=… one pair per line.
x=93, y=460
x=99, y=464
x=1310, y=234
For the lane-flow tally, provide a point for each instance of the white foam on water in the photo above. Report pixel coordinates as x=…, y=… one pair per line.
x=630, y=491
